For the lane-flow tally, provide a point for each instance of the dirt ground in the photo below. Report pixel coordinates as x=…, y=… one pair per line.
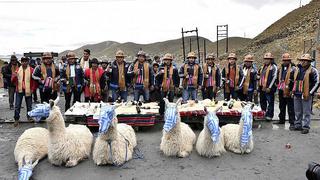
x=269, y=159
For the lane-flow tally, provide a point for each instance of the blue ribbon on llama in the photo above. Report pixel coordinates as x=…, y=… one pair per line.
x=25, y=173
x=107, y=113
x=213, y=126
x=170, y=118
x=247, y=118
x=40, y=111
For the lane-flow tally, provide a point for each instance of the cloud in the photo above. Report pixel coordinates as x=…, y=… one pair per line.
x=260, y=3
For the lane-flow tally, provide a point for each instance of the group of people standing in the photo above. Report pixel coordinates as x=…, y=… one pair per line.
x=296, y=84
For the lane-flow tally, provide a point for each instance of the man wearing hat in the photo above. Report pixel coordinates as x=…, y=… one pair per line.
x=306, y=81
x=92, y=75
x=47, y=75
x=249, y=80
x=22, y=78
x=168, y=78
x=285, y=85
x=10, y=69
x=192, y=76
x=231, y=75
x=85, y=59
x=142, y=77
x=119, y=77
x=212, y=78
x=72, y=80
x=104, y=82
x=155, y=95
x=267, y=85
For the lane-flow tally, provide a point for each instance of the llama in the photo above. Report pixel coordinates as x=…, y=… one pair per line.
x=210, y=142
x=115, y=142
x=31, y=147
x=69, y=145
x=238, y=138
x=177, y=138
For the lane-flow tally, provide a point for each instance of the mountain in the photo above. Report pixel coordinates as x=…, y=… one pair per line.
x=107, y=49
x=287, y=34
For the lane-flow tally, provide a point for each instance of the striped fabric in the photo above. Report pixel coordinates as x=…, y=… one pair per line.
x=25, y=173
x=170, y=118
x=213, y=126
x=247, y=118
x=107, y=113
x=40, y=111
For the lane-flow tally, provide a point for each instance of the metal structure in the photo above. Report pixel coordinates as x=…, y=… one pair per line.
x=183, y=44
x=222, y=32
x=38, y=54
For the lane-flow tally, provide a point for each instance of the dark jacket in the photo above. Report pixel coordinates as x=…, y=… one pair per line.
x=253, y=79
x=140, y=67
x=175, y=76
x=225, y=76
x=272, y=78
x=218, y=76
x=283, y=72
x=79, y=77
x=190, y=71
x=113, y=75
x=7, y=74
x=37, y=76
x=313, y=79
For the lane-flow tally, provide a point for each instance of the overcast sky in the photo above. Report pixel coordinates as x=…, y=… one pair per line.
x=48, y=25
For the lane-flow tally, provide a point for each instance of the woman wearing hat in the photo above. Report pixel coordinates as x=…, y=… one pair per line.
x=212, y=78
x=306, y=82
x=47, y=75
x=267, y=85
x=285, y=85
x=10, y=69
x=192, y=78
x=249, y=80
x=92, y=75
x=155, y=95
x=22, y=78
x=72, y=80
x=231, y=75
x=142, y=77
x=119, y=77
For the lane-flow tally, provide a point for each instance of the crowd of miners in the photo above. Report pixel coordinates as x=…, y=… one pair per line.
x=94, y=80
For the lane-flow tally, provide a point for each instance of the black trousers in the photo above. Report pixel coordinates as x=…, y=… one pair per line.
x=47, y=95
x=76, y=97
x=208, y=93
x=233, y=93
x=286, y=102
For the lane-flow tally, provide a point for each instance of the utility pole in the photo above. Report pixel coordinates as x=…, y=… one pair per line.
x=222, y=32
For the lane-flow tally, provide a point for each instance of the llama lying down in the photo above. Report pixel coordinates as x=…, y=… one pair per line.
x=238, y=138
x=31, y=147
x=115, y=142
x=210, y=141
x=177, y=138
x=66, y=145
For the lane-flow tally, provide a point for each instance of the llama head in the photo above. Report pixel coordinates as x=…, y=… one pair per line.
x=25, y=172
x=212, y=123
x=171, y=114
x=106, y=118
x=54, y=110
x=247, y=118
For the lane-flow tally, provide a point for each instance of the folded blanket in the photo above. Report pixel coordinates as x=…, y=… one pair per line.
x=213, y=126
x=40, y=111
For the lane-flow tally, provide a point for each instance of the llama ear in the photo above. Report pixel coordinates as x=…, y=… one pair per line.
x=23, y=161
x=179, y=101
x=166, y=101
x=56, y=100
x=51, y=102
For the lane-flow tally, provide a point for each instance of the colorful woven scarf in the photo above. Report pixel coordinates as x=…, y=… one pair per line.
x=167, y=82
x=284, y=85
x=192, y=80
x=94, y=82
x=121, y=74
x=24, y=77
x=302, y=85
x=234, y=81
x=247, y=80
x=211, y=81
x=138, y=78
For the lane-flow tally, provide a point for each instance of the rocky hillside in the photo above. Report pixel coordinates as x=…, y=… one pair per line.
x=287, y=34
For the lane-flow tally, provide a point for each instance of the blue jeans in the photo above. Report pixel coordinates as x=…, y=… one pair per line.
x=189, y=92
x=267, y=103
x=116, y=93
x=302, y=110
x=138, y=92
x=19, y=97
